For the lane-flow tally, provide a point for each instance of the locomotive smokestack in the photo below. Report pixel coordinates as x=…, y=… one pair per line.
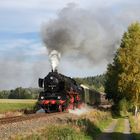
x=54, y=70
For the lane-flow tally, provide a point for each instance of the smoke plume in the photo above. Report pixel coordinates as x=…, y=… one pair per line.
x=79, y=31
x=82, y=33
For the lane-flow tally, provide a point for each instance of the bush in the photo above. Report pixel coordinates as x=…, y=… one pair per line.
x=123, y=107
x=64, y=133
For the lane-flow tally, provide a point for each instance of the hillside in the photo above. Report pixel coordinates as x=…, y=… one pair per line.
x=96, y=82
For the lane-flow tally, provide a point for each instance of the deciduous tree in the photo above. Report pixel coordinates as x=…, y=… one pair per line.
x=123, y=75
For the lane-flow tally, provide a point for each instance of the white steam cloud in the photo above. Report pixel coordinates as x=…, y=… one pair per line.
x=83, y=110
x=54, y=59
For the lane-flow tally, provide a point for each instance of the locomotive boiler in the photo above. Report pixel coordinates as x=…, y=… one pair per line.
x=59, y=93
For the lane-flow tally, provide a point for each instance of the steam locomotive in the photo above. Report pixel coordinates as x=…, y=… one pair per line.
x=59, y=93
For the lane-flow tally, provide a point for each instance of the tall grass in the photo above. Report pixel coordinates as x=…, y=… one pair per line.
x=56, y=132
x=120, y=125
x=86, y=127
x=97, y=121
x=135, y=126
x=119, y=129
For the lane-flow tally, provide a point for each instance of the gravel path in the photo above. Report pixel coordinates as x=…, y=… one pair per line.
x=29, y=126
x=106, y=135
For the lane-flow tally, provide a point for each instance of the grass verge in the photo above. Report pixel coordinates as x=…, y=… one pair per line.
x=135, y=126
x=119, y=129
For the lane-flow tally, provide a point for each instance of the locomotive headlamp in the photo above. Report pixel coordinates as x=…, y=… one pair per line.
x=51, y=78
x=42, y=97
x=59, y=97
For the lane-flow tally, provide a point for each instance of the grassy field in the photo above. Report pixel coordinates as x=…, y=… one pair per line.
x=15, y=104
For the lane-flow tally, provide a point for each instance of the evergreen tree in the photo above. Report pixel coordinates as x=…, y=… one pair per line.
x=123, y=75
x=95, y=82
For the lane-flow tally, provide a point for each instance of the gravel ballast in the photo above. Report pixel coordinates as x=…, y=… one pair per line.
x=29, y=126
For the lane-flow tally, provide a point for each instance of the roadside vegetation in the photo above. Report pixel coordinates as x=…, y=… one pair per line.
x=135, y=126
x=86, y=127
x=120, y=125
x=118, y=130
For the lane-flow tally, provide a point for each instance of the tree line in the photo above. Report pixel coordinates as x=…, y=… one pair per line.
x=20, y=93
x=123, y=75
x=96, y=82
x=93, y=82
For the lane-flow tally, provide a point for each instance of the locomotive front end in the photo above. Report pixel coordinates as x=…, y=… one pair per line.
x=53, y=97
x=59, y=93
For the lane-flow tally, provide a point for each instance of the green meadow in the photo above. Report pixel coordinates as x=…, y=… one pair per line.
x=16, y=104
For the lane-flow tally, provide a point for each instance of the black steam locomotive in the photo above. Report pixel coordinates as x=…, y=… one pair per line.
x=59, y=93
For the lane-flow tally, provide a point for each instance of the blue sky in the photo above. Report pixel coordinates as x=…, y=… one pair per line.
x=23, y=57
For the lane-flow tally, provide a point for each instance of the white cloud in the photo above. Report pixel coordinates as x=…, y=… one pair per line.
x=14, y=73
x=55, y=4
x=20, y=64
x=28, y=15
x=26, y=46
x=36, y=4
x=37, y=50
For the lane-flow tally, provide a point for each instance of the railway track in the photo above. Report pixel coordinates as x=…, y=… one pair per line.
x=26, y=117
